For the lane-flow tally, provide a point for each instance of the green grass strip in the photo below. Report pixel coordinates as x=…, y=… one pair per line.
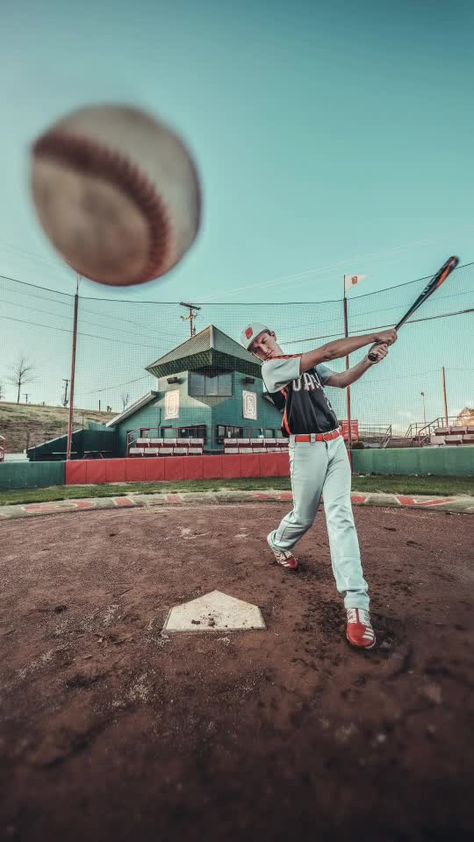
x=437, y=486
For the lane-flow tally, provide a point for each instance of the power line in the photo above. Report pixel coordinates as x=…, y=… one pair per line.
x=116, y=385
x=231, y=303
x=35, y=286
x=378, y=327
x=80, y=333
x=65, y=315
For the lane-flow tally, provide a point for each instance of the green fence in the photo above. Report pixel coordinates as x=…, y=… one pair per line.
x=437, y=461
x=442, y=461
x=31, y=474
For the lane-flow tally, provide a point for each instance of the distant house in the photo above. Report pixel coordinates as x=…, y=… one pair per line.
x=209, y=387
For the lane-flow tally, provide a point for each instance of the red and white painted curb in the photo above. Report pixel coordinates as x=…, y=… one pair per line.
x=132, y=501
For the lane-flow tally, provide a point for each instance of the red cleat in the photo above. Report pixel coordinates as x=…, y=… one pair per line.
x=359, y=631
x=283, y=557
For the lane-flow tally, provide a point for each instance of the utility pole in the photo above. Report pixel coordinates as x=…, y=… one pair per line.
x=445, y=399
x=193, y=308
x=348, y=389
x=73, y=371
x=65, y=391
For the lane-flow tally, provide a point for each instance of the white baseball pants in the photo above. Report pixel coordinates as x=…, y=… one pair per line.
x=322, y=468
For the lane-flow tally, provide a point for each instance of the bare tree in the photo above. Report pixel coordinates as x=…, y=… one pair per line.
x=125, y=398
x=21, y=373
x=2, y=393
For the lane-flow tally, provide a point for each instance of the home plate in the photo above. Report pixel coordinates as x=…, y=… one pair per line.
x=215, y=611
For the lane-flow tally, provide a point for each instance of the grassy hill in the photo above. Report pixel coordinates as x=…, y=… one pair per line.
x=26, y=425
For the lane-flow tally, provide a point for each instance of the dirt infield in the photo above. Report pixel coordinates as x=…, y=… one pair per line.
x=111, y=731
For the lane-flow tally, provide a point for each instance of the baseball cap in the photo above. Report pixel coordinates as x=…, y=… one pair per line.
x=250, y=333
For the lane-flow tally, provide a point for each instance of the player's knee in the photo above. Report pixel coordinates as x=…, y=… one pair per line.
x=305, y=519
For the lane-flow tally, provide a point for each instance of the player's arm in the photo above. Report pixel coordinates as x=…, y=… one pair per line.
x=344, y=347
x=342, y=379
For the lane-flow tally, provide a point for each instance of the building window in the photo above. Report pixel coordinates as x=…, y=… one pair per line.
x=206, y=385
x=225, y=432
x=197, y=431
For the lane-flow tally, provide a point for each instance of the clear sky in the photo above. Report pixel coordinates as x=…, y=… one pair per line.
x=330, y=137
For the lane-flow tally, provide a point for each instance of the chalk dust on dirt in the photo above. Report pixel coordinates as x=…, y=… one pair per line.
x=110, y=730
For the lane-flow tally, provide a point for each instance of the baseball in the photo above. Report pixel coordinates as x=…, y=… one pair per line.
x=117, y=193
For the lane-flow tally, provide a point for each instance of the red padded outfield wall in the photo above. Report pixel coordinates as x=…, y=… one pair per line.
x=176, y=468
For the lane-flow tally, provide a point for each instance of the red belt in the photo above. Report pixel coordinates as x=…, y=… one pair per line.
x=318, y=436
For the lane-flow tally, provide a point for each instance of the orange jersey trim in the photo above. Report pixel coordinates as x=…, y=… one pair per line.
x=285, y=414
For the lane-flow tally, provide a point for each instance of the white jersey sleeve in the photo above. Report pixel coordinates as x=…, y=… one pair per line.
x=324, y=373
x=276, y=374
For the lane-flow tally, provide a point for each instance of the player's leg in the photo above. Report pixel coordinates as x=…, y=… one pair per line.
x=343, y=541
x=308, y=465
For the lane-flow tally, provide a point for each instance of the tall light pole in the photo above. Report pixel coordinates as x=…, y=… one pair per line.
x=424, y=408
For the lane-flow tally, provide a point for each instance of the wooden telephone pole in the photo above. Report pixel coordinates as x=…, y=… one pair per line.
x=193, y=308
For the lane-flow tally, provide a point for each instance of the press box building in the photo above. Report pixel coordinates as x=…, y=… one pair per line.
x=210, y=388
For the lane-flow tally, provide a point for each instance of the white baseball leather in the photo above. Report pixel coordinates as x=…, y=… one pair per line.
x=117, y=193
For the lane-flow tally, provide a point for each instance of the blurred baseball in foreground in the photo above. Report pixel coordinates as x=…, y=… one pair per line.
x=117, y=193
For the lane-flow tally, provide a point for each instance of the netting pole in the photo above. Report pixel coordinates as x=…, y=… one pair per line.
x=348, y=389
x=73, y=373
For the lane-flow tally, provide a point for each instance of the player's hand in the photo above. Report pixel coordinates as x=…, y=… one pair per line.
x=377, y=353
x=386, y=337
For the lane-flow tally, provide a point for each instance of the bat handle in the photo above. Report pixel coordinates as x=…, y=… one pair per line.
x=371, y=355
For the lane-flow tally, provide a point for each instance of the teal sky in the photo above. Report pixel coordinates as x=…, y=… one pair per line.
x=330, y=137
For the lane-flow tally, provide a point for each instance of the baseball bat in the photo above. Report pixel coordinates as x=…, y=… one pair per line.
x=434, y=284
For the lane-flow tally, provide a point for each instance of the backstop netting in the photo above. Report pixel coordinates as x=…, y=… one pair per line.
x=118, y=338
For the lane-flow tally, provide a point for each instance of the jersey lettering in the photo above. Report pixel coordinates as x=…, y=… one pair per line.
x=310, y=382
x=307, y=407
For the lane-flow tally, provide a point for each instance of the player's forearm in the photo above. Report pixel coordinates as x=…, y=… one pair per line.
x=335, y=350
x=346, y=378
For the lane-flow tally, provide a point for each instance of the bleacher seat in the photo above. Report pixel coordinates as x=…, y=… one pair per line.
x=453, y=439
x=195, y=451
x=180, y=451
x=136, y=451
x=152, y=451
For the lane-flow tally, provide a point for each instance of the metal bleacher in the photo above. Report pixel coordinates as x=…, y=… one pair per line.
x=452, y=435
x=148, y=446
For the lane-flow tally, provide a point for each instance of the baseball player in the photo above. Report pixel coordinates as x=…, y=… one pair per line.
x=318, y=458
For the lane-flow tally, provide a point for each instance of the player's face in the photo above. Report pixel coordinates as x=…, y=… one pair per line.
x=264, y=346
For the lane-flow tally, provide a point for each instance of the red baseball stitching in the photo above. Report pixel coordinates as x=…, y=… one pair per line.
x=91, y=158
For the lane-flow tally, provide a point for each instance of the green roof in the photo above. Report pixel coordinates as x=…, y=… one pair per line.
x=209, y=349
